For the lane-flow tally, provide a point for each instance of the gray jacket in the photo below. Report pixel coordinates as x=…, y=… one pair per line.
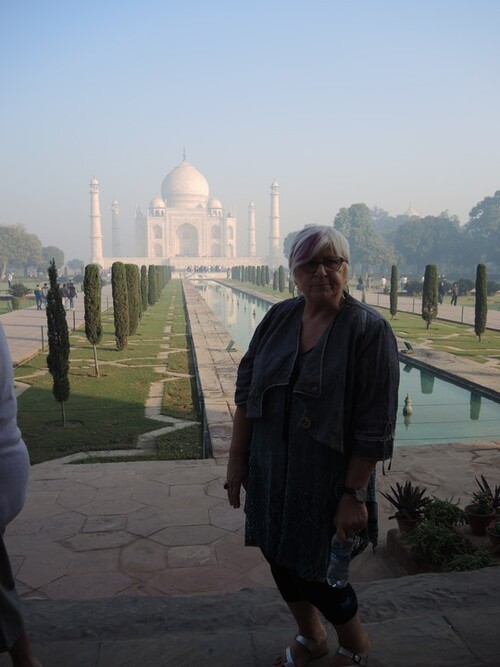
x=346, y=395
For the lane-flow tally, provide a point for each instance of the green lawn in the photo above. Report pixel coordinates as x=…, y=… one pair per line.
x=107, y=412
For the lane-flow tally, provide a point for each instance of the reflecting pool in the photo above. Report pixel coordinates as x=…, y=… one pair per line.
x=441, y=411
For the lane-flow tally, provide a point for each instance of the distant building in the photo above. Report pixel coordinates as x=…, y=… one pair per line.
x=184, y=223
x=412, y=212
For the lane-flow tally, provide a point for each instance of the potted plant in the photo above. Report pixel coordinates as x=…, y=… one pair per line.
x=493, y=532
x=410, y=502
x=480, y=512
x=494, y=495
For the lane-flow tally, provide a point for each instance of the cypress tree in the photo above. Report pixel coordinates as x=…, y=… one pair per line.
x=475, y=406
x=144, y=287
x=133, y=297
x=275, y=281
x=394, y=291
x=159, y=285
x=430, y=294
x=266, y=275
x=258, y=271
x=481, y=304
x=151, y=285
x=281, y=278
x=92, y=305
x=120, y=304
x=58, y=340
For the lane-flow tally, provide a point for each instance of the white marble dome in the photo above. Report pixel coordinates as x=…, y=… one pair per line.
x=157, y=202
x=214, y=203
x=185, y=187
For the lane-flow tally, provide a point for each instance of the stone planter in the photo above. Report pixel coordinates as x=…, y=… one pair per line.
x=406, y=525
x=478, y=522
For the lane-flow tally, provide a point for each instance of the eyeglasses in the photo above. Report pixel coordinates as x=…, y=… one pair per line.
x=329, y=263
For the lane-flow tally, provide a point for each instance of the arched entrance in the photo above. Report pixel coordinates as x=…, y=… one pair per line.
x=187, y=241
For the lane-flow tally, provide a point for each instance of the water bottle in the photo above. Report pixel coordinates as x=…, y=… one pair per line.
x=340, y=556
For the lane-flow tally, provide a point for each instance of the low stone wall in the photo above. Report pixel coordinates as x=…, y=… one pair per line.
x=216, y=368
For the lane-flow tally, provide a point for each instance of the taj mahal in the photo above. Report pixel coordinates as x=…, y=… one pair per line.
x=185, y=226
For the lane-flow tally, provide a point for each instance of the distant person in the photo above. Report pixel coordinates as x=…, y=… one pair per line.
x=10, y=279
x=361, y=285
x=72, y=295
x=65, y=295
x=14, y=471
x=383, y=283
x=38, y=297
x=454, y=294
x=441, y=290
x=45, y=291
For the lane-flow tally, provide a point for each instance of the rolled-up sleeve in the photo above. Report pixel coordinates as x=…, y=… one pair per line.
x=244, y=377
x=245, y=369
x=375, y=395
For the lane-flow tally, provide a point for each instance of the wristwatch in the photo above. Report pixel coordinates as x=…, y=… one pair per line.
x=359, y=494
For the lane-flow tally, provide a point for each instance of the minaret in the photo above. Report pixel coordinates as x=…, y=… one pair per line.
x=115, y=229
x=95, y=224
x=251, y=230
x=274, y=237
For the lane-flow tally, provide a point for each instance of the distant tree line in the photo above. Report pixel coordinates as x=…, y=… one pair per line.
x=378, y=240
x=261, y=276
x=22, y=253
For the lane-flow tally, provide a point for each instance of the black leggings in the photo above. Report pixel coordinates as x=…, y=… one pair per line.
x=338, y=605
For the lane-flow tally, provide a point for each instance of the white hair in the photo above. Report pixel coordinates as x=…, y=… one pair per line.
x=312, y=240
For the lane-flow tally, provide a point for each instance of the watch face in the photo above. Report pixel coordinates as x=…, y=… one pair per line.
x=360, y=495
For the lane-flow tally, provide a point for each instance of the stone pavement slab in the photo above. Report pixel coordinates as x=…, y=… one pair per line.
x=430, y=620
x=165, y=527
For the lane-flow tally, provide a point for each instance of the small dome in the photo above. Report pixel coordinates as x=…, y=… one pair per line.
x=157, y=202
x=214, y=203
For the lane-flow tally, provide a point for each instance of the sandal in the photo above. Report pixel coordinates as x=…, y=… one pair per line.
x=353, y=657
x=316, y=650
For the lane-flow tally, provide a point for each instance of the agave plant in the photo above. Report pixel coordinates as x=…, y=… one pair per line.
x=482, y=503
x=486, y=489
x=410, y=501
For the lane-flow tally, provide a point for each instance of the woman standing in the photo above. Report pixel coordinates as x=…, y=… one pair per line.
x=316, y=399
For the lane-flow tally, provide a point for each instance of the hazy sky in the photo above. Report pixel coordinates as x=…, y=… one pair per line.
x=383, y=102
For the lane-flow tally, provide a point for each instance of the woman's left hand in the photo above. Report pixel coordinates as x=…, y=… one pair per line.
x=351, y=516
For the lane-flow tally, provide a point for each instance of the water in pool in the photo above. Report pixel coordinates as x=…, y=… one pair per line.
x=441, y=411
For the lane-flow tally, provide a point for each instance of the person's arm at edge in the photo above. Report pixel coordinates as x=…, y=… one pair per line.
x=237, y=467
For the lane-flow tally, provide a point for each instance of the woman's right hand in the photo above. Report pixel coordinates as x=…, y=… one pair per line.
x=237, y=473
